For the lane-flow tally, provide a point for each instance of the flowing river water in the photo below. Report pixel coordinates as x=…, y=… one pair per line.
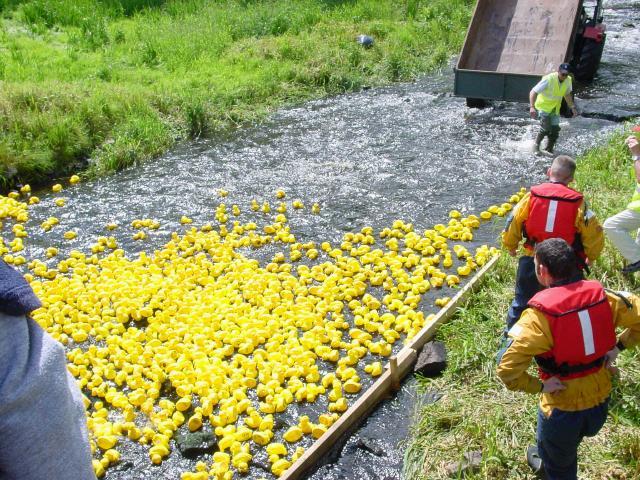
x=409, y=151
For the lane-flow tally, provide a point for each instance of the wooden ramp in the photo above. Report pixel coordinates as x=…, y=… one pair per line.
x=399, y=365
x=530, y=37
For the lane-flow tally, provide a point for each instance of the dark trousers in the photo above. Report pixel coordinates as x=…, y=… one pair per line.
x=526, y=287
x=549, y=125
x=560, y=435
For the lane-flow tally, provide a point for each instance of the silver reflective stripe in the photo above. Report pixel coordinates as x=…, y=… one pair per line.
x=515, y=331
x=587, y=332
x=551, y=216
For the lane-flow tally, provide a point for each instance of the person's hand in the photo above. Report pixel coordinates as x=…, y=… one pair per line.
x=610, y=360
x=532, y=112
x=512, y=252
x=574, y=111
x=633, y=144
x=552, y=385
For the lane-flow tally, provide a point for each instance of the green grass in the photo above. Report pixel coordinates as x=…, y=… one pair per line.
x=105, y=84
x=478, y=413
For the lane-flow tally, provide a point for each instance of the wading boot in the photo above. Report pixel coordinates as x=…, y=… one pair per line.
x=549, y=148
x=539, y=138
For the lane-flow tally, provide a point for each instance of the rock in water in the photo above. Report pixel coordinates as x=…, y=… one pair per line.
x=365, y=40
x=432, y=360
x=369, y=445
x=197, y=443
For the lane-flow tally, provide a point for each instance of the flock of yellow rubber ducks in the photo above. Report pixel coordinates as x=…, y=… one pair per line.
x=218, y=328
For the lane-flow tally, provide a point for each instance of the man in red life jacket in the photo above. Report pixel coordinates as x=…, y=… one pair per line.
x=550, y=210
x=570, y=330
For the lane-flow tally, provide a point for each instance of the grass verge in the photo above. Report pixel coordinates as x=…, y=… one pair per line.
x=477, y=413
x=104, y=84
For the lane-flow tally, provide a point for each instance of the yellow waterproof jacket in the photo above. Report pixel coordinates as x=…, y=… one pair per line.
x=531, y=336
x=587, y=225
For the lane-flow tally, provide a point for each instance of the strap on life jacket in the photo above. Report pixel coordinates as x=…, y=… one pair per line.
x=550, y=367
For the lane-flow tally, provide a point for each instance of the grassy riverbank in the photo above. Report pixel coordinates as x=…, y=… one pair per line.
x=104, y=84
x=478, y=413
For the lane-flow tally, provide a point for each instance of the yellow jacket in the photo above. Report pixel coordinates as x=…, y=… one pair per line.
x=531, y=336
x=587, y=225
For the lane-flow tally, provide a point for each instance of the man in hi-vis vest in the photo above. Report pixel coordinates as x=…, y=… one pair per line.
x=545, y=100
x=570, y=331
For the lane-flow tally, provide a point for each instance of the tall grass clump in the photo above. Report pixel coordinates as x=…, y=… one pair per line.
x=126, y=79
x=477, y=413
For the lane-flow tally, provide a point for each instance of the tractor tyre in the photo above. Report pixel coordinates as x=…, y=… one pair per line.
x=476, y=103
x=589, y=61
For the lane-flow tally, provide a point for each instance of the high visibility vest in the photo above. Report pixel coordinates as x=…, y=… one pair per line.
x=553, y=208
x=582, y=328
x=550, y=99
x=634, y=204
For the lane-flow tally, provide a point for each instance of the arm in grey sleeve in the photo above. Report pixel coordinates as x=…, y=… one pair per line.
x=541, y=86
x=42, y=417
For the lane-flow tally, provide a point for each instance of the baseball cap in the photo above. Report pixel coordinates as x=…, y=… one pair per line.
x=564, y=68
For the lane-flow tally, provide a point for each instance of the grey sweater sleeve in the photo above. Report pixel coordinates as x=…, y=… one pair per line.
x=43, y=433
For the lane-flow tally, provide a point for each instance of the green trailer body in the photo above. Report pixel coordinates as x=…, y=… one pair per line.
x=508, y=87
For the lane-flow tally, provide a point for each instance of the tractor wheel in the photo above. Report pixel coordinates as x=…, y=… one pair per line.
x=476, y=103
x=589, y=61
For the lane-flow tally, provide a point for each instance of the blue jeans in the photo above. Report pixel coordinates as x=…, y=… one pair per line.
x=559, y=436
x=526, y=287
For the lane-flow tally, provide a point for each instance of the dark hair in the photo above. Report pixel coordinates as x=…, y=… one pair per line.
x=559, y=258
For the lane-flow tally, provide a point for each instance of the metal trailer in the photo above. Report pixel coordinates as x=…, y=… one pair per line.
x=511, y=44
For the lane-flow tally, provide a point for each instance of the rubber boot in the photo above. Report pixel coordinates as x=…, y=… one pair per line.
x=539, y=139
x=553, y=137
x=550, y=144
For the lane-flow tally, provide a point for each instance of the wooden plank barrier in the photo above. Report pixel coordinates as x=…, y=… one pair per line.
x=399, y=366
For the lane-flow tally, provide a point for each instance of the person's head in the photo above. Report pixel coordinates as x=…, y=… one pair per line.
x=563, y=71
x=562, y=169
x=554, y=261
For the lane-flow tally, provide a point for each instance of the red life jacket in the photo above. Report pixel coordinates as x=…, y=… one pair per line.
x=553, y=208
x=582, y=327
